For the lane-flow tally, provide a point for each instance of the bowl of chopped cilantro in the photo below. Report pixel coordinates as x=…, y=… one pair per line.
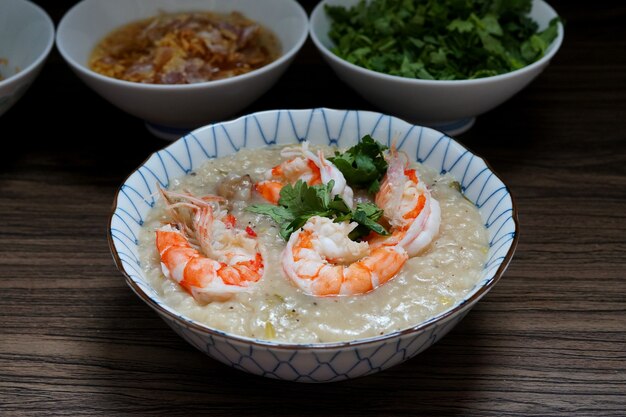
x=438, y=63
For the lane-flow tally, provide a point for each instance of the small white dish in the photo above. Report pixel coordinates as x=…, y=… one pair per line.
x=172, y=110
x=449, y=106
x=26, y=38
x=318, y=362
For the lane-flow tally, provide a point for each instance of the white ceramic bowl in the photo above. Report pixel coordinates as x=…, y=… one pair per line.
x=312, y=362
x=172, y=110
x=26, y=38
x=450, y=106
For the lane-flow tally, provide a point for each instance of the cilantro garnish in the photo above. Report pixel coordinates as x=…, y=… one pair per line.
x=300, y=202
x=439, y=39
x=367, y=215
x=363, y=165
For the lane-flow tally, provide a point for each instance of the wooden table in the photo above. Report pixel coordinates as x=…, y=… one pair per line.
x=549, y=339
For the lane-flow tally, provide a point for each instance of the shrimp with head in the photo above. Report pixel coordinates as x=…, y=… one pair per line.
x=322, y=260
x=413, y=214
x=303, y=164
x=204, y=251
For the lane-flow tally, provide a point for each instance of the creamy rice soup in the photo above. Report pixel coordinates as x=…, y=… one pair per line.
x=276, y=307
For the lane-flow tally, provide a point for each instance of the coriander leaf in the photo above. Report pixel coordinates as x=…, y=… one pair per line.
x=462, y=26
x=491, y=25
x=363, y=164
x=281, y=215
x=298, y=203
x=291, y=196
x=438, y=39
x=296, y=224
x=374, y=187
x=286, y=229
x=339, y=205
x=366, y=215
x=300, y=198
x=277, y=213
x=491, y=44
x=370, y=210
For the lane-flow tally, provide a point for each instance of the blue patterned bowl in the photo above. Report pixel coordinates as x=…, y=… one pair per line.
x=323, y=362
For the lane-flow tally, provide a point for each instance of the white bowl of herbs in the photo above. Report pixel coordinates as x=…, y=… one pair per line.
x=438, y=63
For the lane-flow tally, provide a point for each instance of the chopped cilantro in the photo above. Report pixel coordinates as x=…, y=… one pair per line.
x=363, y=165
x=367, y=215
x=300, y=202
x=439, y=39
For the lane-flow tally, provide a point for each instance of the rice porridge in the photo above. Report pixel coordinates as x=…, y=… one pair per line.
x=276, y=309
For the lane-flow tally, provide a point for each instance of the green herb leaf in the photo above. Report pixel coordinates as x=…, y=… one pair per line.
x=439, y=39
x=363, y=165
x=339, y=206
x=299, y=202
x=367, y=215
x=370, y=210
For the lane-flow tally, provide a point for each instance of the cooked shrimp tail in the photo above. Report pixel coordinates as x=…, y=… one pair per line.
x=203, y=251
x=413, y=214
x=321, y=260
x=303, y=164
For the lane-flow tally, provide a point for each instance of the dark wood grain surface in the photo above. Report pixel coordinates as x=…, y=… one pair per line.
x=549, y=339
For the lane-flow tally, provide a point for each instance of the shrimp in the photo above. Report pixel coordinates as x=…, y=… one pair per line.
x=413, y=214
x=322, y=260
x=204, y=252
x=307, y=166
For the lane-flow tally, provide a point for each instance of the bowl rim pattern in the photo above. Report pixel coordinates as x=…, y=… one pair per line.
x=416, y=329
